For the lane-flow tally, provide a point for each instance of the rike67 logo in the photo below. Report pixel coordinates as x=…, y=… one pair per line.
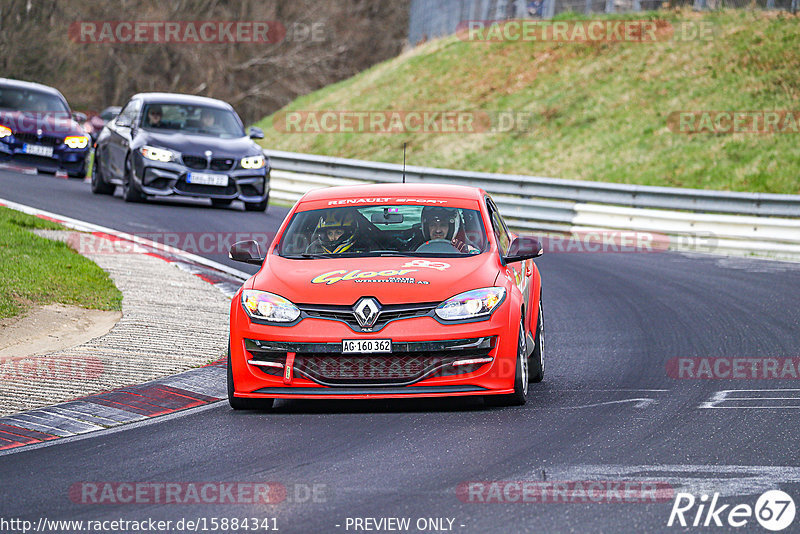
x=774, y=510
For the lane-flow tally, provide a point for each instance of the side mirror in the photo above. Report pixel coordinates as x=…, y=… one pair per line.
x=523, y=248
x=122, y=122
x=77, y=116
x=256, y=133
x=246, y=252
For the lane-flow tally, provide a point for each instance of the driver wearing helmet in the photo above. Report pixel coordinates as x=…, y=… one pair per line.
x=441, y=224
x=335, y=233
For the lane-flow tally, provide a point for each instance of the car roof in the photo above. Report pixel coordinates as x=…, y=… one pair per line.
x=178, y=98
x=407, y=190
x=30, y=85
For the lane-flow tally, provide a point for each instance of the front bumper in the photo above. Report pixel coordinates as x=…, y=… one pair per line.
x=428, y=359
x=165, y=179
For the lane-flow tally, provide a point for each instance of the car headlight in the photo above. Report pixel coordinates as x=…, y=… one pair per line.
x=268, y=307
x=158, y=154
x=471, y=304
x=4, y=132
x=76, y=141
x=253, y=162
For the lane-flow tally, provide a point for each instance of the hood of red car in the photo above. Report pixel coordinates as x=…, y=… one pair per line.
x=392, y=280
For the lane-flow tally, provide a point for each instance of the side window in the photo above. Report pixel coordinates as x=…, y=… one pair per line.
x=128, y=114
x=499, y=227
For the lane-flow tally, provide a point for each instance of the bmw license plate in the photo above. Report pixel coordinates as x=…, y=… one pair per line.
x=203, y=178
x=38, y=150
x=366, y=345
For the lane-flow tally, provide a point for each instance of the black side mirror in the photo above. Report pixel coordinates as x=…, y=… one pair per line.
x=256, y=133
x=246, y=252
x=523, y=248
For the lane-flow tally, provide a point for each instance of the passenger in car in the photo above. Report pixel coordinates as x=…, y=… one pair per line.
x=154, y=117
x=336, y=232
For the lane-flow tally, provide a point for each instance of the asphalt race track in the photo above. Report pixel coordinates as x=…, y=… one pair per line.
x=607, y=411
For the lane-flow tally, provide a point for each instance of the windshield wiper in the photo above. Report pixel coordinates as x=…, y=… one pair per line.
x=308, y=256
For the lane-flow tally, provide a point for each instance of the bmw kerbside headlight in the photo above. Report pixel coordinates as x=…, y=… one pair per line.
x=4, y=132
x=76, y=141
x=158, y=154
x=471, y=304
x=268, y=307
x=253, y=162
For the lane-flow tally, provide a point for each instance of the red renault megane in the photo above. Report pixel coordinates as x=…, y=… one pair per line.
x=388, y=291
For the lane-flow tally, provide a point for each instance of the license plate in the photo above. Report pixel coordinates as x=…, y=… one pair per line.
x=38, y=150
x=366, y=345
x=202, y=178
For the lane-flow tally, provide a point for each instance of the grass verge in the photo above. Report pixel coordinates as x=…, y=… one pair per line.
x=37, y=271
x=600, y=110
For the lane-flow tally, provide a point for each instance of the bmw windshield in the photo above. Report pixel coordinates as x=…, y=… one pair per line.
x=202, y=120
x=402, y=230
x=17, y=99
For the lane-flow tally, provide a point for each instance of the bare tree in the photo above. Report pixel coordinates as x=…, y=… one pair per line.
x=326, y=41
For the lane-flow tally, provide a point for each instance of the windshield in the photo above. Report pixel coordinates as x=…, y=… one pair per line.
x=202, y=120
x=16, y=99
x=392, y=230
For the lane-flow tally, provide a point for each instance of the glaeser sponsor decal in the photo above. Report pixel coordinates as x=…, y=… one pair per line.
x=332, y=277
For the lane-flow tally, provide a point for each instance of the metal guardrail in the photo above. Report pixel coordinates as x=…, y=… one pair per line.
x=764, y=224
x=530, y=187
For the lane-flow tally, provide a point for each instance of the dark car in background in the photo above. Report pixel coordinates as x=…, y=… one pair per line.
x=164, y=144
x=94, y=124
x=37, y=128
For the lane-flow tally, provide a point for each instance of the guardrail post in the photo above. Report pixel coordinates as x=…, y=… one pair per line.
x=549, y=9
x=609, y=6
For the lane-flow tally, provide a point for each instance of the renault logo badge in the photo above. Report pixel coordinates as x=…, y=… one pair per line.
x=366, y=311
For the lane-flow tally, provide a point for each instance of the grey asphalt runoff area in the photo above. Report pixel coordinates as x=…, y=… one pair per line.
x=171, y=321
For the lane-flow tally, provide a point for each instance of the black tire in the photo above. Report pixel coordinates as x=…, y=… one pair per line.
x=536, y=364
x=519, y=397
x=99, y=185
x=221, y=202
x=244, y=404
x=257, y=206
x=129, y=190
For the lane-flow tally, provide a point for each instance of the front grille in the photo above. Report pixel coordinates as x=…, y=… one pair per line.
x=47, y=140
x=198, y=189
x=36, y=161
x=222, y=164
x=408, y=364
x=391, y=312
x=195, y=162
